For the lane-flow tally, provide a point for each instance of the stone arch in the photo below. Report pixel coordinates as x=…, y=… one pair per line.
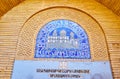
x=26, y=43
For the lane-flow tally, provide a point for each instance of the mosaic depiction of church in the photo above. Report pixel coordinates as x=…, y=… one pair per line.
x=62, y=39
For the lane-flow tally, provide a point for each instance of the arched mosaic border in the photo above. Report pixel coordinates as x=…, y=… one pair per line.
x=62, y=39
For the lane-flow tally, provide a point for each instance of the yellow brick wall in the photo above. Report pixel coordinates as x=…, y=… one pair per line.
x=14, y=21
x=114, y=5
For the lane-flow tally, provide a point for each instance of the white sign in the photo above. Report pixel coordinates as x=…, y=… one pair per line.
x=61, y=70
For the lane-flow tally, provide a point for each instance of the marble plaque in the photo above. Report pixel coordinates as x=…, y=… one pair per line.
x=61, y=70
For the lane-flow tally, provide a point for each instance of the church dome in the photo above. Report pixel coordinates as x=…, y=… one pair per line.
x=63, y=33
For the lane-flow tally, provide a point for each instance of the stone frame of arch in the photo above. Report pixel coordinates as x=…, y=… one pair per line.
x=28, y=34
